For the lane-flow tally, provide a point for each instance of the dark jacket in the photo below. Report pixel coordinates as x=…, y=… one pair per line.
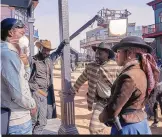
x=51, y=107
x=128, y=95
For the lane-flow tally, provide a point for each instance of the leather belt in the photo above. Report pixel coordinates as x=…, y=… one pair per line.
x=127, y=111
x=43, y=93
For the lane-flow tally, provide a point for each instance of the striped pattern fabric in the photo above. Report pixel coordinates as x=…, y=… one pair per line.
x=109, y=71
x=95, y=126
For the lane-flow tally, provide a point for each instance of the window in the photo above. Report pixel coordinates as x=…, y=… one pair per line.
x=16, y=16
x=160, y=17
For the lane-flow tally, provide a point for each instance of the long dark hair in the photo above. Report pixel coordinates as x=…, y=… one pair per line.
x=139, y=58
x=4, y=34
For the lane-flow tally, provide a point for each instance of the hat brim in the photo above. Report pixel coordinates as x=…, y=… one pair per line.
x=132, y=44
x=111, y=53
x=38, y=44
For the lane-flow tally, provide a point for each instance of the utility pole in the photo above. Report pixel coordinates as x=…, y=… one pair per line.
x=67, y=101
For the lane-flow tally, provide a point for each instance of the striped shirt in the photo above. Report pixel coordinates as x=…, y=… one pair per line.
x=108, y=71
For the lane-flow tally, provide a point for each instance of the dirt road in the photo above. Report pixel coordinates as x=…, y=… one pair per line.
x=82, y=115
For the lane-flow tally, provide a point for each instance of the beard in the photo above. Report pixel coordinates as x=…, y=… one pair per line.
x=43, y=56
x=98, y=61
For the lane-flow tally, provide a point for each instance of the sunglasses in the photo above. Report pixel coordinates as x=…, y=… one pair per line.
x=18, y=24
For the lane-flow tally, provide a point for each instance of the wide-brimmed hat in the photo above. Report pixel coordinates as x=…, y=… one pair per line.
x=44, y=43
x=104, y=46
x=132, y=41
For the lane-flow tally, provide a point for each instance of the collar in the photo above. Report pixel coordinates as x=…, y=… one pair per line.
x=128, y=65
x=103, y=64
x=10, y=46
x=108, y=62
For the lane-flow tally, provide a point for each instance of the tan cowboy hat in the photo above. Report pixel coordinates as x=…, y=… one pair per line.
x=44, y=43
x=104, y=46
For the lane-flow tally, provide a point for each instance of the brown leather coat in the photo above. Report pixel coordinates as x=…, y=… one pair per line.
x=128, y=93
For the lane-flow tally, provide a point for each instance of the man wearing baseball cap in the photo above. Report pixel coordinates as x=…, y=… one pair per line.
x=16, y=97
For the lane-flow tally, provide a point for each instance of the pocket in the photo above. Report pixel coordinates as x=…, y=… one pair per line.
x=42, y=98
x=27, y=125
x=5, y=118
x=37, y=97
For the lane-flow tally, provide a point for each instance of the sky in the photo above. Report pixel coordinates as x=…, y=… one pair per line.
x=81, y=11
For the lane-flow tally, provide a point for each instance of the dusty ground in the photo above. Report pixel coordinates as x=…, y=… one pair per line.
x=82, y=115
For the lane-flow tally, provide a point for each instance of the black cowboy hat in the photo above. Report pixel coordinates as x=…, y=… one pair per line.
x=104, y=46
x=132, y=41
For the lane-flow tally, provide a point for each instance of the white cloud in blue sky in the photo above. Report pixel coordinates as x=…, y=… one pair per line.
x=80, y=11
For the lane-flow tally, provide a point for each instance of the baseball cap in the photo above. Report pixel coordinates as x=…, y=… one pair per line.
x=10, y=23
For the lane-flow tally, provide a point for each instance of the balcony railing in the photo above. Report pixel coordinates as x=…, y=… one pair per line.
x=99, y=38
x=35, y=31
x=150, y=29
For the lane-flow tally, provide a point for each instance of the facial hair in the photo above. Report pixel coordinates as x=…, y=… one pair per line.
x=42, y=56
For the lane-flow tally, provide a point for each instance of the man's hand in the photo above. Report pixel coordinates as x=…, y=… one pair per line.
x=66, y=41
x=70, y=92
x=33, y=111
x=24, y=59
x=89, y=108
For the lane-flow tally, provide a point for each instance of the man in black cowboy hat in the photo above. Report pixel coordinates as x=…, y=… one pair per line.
x=100, y=76
x=41, y=83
